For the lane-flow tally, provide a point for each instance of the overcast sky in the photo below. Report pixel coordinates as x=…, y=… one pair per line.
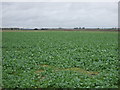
x=59, y=14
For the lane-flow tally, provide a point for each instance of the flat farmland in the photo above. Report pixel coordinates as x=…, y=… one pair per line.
x=60, y=59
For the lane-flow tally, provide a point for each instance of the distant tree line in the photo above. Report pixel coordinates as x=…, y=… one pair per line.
x=10, y=28
x=59, y=28
x=79, y=28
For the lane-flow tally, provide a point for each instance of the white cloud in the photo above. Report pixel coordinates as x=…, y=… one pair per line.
x=60, y=0
x=58, y=14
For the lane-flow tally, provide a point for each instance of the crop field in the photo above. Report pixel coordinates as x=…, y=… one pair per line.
x=60, y=59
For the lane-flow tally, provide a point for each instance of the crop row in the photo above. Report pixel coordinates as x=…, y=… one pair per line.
x=66, y=56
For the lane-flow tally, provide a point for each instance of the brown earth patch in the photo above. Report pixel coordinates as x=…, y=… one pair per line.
x=39, y=71
x=80, y=70
x=56, y=69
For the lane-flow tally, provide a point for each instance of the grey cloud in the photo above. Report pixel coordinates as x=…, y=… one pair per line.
x=54, y=14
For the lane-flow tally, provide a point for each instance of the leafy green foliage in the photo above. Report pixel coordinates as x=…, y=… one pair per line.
x=25, y=53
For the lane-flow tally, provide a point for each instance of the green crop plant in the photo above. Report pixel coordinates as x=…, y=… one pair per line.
x=60, y=59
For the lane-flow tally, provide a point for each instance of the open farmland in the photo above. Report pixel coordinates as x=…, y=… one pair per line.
x=60, y=59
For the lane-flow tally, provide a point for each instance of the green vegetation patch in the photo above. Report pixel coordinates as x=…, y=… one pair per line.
x=60, y=59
